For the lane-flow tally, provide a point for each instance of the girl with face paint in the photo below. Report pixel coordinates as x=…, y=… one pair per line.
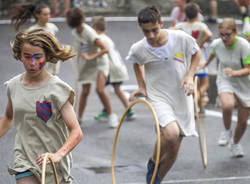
x=41, y=107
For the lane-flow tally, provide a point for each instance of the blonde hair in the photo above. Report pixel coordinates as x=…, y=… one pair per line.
x=43, y=39
x=99, y=23
x=228, y=23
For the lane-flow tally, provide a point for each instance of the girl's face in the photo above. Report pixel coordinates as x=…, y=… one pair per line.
x=44, y=16
x=33, y=59
x=227, y=36
x=152, y=32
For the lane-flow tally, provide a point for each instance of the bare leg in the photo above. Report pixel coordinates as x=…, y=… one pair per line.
x=28, y=180
x=55, y=6
x=227, y=103
x=170, y=144
x=66, y=6
x=121, y=95
x=83, y=99
x=241, y=126
x=103, y=95
x=213, y=8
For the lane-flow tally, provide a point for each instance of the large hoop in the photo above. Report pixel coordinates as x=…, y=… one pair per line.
x=75, y=83
x=46, y=157
x=200, y=124
x=158, y=144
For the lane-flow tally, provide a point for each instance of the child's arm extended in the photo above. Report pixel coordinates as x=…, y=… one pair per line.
x=103, y=50
x=6, y=120
x=74, y=138
x=139, y=73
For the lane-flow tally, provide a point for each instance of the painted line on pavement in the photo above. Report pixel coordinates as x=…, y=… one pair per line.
x=109, y=19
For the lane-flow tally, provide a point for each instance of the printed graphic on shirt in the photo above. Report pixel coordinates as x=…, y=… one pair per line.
x=195, y=34
x=43, y=110
x=179, y=57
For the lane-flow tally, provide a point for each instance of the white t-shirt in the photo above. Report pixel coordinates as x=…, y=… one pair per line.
x=163, y=77
x=234, y=58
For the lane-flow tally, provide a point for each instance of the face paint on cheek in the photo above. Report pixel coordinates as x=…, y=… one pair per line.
x=41, y=64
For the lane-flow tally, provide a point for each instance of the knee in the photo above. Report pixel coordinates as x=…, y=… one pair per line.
x=99, y=90
x=227, y=106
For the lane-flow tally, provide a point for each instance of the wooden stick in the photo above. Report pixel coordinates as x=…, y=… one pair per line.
x=158, y=143
x=47, y=156
x=200, y=129
x=75, y=82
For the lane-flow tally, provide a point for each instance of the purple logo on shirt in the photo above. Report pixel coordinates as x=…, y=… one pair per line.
x=44, y=110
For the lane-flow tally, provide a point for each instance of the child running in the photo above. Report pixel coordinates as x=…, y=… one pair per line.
x=233, y=54
x=92, y=67
x=199, y=31
x=164, y=57
x=41, y=107
x=22, y=12
x=117, y=69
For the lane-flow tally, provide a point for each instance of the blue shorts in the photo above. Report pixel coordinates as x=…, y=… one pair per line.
x=201, y=75
x=24, y=174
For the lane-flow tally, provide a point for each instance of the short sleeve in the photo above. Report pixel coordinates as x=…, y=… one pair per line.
x=62, y=93
x=131, y=56
x=245, y=48
x=212, y=47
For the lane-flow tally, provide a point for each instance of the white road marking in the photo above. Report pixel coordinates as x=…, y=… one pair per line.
x=108, y=19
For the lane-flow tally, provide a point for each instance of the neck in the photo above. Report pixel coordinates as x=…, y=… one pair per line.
x=36, y=81
x=42, y=24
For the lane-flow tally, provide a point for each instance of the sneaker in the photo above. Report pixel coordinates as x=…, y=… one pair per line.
x=237, y=150
x=101, y=115
x=113, y=120
x=130, y=115
x=225, y=137
x=150, y=167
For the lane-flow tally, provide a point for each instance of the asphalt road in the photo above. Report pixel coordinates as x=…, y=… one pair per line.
x=92, y=157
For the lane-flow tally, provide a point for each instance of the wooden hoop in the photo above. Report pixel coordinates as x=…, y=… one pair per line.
x=75, y=83
x=201, y=129
x=158, y=144
x=46, y=157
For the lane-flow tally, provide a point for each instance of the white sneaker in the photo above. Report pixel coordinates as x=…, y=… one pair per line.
x=237, y=150
x=224, y=138
x=113, y=120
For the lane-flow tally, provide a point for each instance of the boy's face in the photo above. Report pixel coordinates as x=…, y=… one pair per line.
x=151, y=31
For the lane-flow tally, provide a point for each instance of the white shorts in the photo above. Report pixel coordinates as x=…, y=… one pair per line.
x=165, y=114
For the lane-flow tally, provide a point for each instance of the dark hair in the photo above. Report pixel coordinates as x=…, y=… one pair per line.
x=22, y=12
x=191, y=10
x=150, y=14
x=75, y=17
x=99, y=23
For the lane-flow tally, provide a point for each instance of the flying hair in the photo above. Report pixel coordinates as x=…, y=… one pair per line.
x=45, y=40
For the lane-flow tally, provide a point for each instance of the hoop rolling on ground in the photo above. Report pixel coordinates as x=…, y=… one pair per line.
x=200, y=180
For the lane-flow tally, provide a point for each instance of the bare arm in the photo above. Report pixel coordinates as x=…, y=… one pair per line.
x=207, y=34
x=6, y=121
x=103, y=50
x=238, y=73
x=139, y=73
x=74, y=138
x=188, y=82
x=210, y=58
